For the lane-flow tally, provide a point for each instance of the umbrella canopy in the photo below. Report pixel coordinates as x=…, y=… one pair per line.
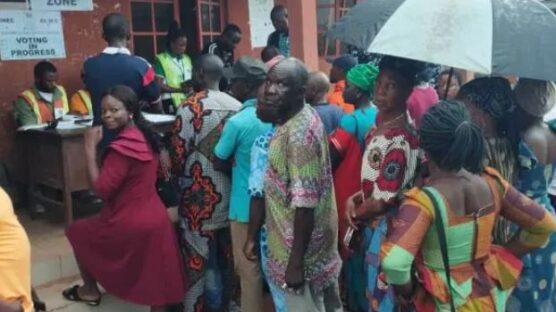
x=496, y=37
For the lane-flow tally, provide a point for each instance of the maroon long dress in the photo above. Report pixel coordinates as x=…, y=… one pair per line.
x=130, y=248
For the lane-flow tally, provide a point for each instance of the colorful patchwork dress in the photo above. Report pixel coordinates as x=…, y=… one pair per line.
x=482, y=274
x=389, y=165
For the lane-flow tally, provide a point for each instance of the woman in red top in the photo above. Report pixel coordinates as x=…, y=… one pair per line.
x=130, y=248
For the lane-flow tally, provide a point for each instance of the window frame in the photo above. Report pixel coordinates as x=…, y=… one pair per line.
x=340, y=9
x=213, y=34
x=154, y=33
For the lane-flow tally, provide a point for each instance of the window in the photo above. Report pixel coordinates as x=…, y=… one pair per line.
x=210, y=20
x=150, y=20
x=328, y=12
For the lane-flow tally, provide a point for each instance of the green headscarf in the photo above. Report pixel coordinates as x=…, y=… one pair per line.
x=363, y=76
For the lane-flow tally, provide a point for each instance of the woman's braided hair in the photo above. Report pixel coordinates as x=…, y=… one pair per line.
x=494, y=96
x=451, y=139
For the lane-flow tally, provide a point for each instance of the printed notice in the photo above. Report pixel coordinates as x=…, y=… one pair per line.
x=259, y=21
x=62, y=5
x=27, y=35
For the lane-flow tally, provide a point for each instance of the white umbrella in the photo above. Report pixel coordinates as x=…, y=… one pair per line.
x=493, y=37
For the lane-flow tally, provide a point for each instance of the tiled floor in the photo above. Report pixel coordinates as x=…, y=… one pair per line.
x=51, y=254
x=52, y=295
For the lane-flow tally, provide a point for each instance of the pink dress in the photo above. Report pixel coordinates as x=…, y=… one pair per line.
x=130, y=248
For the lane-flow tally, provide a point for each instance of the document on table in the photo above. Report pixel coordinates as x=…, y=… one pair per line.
x=69, y=125
x=159, y=118
x=32, y=127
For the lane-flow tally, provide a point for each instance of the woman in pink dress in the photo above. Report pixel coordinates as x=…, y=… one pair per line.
x=130, y=248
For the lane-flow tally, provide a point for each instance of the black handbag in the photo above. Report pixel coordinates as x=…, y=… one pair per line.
x=168, y=191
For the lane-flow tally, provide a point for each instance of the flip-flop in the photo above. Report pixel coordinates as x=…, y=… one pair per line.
x=72, y=294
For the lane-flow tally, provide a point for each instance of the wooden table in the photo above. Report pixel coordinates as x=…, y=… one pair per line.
x=56, y=158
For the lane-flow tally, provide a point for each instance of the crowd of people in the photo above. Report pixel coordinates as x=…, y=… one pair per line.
x=380, y=193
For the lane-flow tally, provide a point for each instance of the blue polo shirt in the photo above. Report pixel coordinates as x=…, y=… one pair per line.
x=115, y=67
x=238, y=136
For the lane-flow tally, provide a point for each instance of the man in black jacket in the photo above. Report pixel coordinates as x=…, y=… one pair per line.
x=280, y=38
x=224, y=47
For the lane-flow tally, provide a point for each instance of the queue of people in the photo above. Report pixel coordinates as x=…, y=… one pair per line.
x=372, y=195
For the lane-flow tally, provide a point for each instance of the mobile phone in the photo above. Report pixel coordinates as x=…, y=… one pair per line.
x=348, y=236
x=353, y=239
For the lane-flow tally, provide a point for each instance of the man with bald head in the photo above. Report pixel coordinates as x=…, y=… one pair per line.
x=300, y=212
x=205, y=192
x=316, y=94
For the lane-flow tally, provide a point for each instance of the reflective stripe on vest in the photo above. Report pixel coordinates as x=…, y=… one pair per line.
x=31, y=99
x=174, y=75
x=86, y=98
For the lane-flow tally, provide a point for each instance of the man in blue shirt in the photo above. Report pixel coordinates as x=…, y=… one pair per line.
x=239, y=134
x=116, y=66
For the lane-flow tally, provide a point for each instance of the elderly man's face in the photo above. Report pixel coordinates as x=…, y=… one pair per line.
x=279, y=93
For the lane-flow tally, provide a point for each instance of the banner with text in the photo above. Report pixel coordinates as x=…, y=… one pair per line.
x=62, y=5
x=26, y=35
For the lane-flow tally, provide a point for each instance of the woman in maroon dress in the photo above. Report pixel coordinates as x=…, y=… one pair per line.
x=130, y=248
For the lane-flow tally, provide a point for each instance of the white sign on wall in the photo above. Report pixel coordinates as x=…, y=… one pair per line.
x=27, y=35
x=62, y=5
x=259, y=21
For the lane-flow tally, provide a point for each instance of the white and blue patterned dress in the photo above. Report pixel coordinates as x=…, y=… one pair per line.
x=536, y=289
x=259, y=162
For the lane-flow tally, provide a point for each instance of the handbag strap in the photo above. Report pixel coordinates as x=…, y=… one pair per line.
x=442, y=240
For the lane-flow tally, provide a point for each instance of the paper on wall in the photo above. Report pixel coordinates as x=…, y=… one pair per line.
x=259, y=22
x=26, y=35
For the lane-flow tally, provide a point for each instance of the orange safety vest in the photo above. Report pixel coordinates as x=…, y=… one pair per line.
x=80, y=103
x=59, y=103
x=86, y=97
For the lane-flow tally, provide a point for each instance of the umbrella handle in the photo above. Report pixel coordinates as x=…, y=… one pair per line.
x=449, y=83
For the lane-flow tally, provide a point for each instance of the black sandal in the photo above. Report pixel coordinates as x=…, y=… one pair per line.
x=72, y=294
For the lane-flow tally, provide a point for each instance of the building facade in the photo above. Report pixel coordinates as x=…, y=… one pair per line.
x=204, y=20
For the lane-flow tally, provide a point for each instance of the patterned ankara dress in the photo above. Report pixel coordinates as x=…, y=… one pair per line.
x=204, y=202
x=482, y=274
x=389, y=165
x=536, y=290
